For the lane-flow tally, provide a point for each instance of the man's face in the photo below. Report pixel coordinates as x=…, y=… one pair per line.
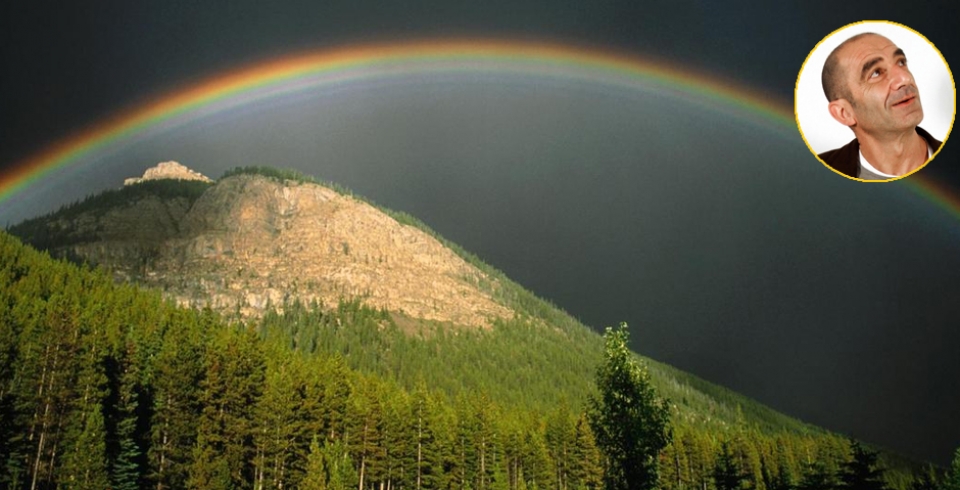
x=885, y=96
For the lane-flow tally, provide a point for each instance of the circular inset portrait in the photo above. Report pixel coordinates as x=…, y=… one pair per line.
x=875, y=101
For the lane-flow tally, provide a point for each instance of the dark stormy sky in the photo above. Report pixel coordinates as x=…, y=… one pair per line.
x=832, y=301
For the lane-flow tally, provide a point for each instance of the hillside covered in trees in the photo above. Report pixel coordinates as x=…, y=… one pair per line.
x=109, y=386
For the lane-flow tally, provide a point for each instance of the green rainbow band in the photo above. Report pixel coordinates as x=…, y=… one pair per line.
x=347, y=65
x=353, y=60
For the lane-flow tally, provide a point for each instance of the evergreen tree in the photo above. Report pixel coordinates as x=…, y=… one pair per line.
x=125, y=471
x=484, y=440
x=629, y=420
x=399, y=440
x=315, y=477
x=426, y=447
x=673, y=463
x=727, y=474
x=336, y=394
x=84, y=439
x=229, y=393
x=208, y=468
x=587, y=461
x=363, y=433
x=926, y=480
x=329, y=467
x=816, y=476
x=784, y=479
x=560, y=439
x=178, y=370
x=538, y=468
x=279, y=422
x=951, y=480
x=861, y=472
x=85, y=464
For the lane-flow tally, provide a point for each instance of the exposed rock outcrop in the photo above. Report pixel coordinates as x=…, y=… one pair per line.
x=249, y=242
x=168, y=170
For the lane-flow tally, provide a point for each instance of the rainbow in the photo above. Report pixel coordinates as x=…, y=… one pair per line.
x=346, y=66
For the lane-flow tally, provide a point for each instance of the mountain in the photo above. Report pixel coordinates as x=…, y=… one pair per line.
x=326, y=273
x=253, y=241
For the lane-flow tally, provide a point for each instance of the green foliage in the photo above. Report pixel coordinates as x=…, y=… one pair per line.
x=125, y=474
x=861, y=472
x=629, y=419
x=329, y=467
x=42, y=232
x=105, y=385
x=951, y=481
x=277, y=174
x=926, y=481
x=727, y=474
x=816, y=476
x=507, y=362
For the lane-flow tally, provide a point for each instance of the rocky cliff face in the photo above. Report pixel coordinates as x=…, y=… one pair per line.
x=168, y=170
x=250, y=242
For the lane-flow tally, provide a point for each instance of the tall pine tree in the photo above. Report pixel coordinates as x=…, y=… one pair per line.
x=727, y=474
x=861, y=472
x=951, y=481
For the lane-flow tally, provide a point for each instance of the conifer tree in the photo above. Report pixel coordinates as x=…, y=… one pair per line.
x=951, y=481
x=85, y=462
x=727, y=474
x=588, y=465
x=816, y=476
x=861, y=472
x=83, y=442
x=208, y=468
x=484, y=440
x=178, y=370
x=561, y=438
x=229, y=392
x=399, y=439
x=329, y=467
x=538, y=466
x=425, y=448
x=125, y=471
x=315, y=475
x=926, y=480
x=364, y=424
x=629, y=420
x=784, y=479
x=462, y=461
x=336, y=394
x=279, y=422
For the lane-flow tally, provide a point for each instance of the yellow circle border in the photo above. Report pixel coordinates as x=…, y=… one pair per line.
x=803, y=67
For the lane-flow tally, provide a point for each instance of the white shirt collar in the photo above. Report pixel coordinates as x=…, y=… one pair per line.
x=870, y=168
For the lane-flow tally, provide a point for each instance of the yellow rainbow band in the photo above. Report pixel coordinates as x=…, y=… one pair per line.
x=346, y=65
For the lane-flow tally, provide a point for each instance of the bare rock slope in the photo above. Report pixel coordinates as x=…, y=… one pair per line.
x=250, y=242
x=168, y=170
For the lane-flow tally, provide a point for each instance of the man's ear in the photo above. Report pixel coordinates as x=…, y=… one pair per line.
x=842, y=111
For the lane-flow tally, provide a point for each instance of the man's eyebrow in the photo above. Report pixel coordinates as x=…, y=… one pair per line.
x=869, y=64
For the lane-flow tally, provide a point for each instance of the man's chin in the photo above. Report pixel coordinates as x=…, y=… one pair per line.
x=911, y=119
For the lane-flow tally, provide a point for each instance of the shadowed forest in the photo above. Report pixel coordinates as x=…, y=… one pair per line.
x=109, y=386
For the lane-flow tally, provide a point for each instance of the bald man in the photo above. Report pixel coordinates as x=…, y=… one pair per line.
x=870, y=90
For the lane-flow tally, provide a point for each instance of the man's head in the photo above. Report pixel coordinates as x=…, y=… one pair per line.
x=870, y=88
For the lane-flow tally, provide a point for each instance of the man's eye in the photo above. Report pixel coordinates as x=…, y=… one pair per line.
x=875, y=74
x=902, y=63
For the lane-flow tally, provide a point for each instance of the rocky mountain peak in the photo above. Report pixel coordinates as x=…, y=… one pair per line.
x=251, y=242
x=168, y=170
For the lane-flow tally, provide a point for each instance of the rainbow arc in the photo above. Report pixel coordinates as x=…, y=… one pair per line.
x=352, y=65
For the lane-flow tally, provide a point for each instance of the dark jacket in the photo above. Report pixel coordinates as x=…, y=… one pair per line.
x=846, y=159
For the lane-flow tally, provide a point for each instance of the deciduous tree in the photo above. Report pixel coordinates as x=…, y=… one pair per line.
x=630, y=421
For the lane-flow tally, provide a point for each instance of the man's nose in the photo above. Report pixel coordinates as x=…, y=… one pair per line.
x=900, y=76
